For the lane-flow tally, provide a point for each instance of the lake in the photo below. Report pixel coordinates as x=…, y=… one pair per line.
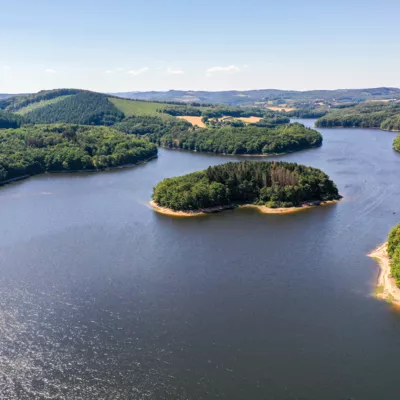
x=102, y=298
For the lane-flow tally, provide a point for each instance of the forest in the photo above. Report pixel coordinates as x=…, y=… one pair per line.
x=244, y=140
x=86, y=108
x=10, y=120
x=153, y=127
x=212, y=112
x=381, y=115
x=307, y=113
x=394, y=253
x=33, y=149
x=270, y=183
x=15, y=103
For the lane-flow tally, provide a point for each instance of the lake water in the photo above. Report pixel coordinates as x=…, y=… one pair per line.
x=101, y=298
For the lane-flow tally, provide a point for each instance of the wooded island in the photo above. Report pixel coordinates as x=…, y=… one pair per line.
x=271, y=184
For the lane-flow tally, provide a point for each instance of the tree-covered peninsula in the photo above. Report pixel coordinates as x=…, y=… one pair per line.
x=244, y=140
x=33, y=149
x=271, y=184
x=381, y=115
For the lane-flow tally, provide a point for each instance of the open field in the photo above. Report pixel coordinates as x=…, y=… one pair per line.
x=193, y=120
x=135, y=107
x=40, y=104
x=279, y=108
x=250, y=120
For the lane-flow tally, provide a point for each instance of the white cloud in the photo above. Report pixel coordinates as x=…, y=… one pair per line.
x=175, y=71
x=228, y=69
x=50, y=71
x=6, y=68
x=108, y=71
x=138, y=71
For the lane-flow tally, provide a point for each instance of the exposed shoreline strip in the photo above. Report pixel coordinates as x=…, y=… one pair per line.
x=262, y=209
x=386, y=288
x=76, y=171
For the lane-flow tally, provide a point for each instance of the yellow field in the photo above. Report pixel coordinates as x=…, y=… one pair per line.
x=193, y=120
x=250, y=120
x=278, y=108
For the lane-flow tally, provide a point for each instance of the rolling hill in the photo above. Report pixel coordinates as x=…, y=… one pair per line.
x=251, y=97
x=77, y=107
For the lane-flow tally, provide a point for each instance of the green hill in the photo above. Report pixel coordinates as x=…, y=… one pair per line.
x=78, y=107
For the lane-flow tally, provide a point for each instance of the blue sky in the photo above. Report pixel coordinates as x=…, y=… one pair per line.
x=123, y=45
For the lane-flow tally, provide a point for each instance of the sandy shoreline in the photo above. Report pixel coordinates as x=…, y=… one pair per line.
x=261, y=209
x=386, y=288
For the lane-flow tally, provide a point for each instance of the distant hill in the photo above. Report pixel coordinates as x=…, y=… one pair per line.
x=4, y=96
x=274, y=96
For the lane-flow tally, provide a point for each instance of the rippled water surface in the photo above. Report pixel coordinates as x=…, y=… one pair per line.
x=101, y=298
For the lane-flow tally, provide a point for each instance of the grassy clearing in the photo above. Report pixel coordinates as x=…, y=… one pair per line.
x=40, y=104
x=136, y=107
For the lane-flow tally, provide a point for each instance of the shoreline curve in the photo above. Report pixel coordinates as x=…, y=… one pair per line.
x=386, y=288
x=261, y=209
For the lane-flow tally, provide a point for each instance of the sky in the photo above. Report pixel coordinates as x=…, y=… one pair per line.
x=136, y=45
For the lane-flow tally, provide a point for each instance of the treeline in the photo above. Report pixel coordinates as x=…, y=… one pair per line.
x=269, y=121
x=244, y=140
x=33, y=149
x=306, y=113
x=394, y=253
x=153, y=127
x=364, y=115
x=212, y=112
x=274, y=184
x=86, y=108
x=396, y=144
x=9, y=120
x=15, y=103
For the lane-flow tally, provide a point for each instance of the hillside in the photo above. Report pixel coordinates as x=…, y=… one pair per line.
x=34, y=149
x=383, y=115
x=77, y=106
x=252, y=97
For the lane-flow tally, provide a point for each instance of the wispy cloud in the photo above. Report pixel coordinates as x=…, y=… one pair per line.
x=228, y=69
x=6, y=68
x=108, y=71
x=138, y=71
x=175, y=71
x=50, y=71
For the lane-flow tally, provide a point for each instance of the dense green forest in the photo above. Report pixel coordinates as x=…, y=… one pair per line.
x=15, y=103
x=394, y=252
x=307, y=113
x=86, y=108
x=33, y=149
x=364, y=115
x=244, y=140
x=212, y=112
x=274, y=184
x=153, y=127
x=10, y=120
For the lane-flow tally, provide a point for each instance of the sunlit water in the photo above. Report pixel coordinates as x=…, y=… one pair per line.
x=101, y=298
